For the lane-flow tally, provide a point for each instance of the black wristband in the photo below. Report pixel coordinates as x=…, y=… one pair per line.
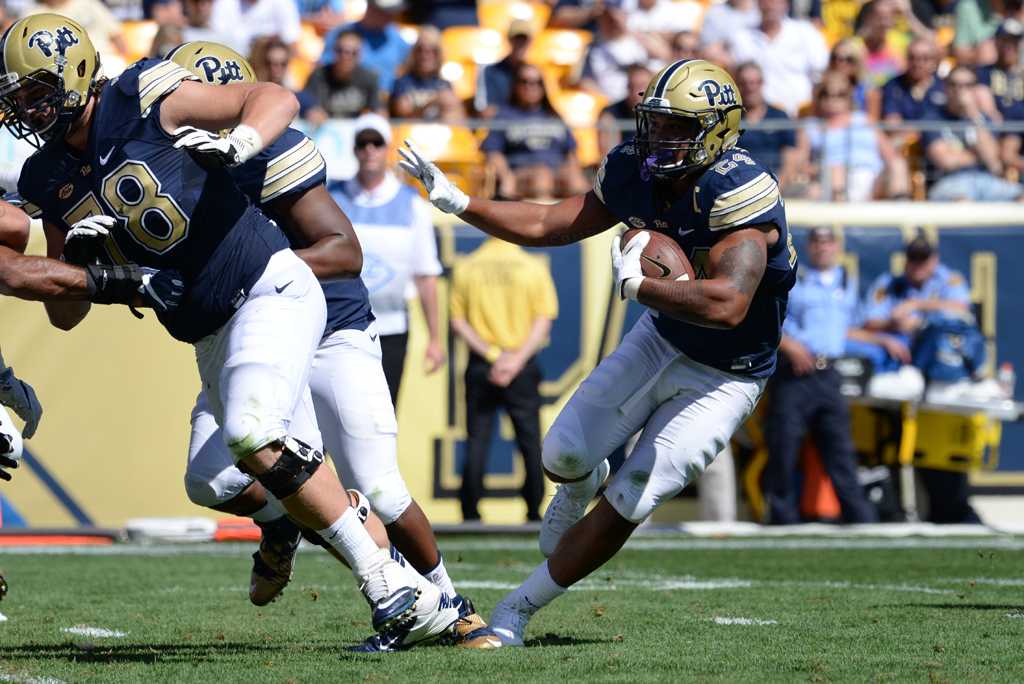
x=113, y=284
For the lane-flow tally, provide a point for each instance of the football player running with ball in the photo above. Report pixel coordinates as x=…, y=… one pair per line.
x=108, y=162
x=693, y=367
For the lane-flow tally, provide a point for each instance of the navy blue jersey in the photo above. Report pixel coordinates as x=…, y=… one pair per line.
x=734, y=192
x=172, y=214
x=290, y=166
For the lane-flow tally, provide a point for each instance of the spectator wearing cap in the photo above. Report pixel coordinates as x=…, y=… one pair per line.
x=400, y=261
x=384, y=49
x=421, y=93
x=610, y=132
x=246, y=20
x=775, y=147
x=533, y=152
x=965, y=157
x=791, y=53
x=916, y=94
x=805, y=396
x=927, y=294
x=494, y=87
x=342, y=89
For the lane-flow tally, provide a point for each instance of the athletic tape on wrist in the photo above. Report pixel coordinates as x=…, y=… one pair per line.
x=247, y=140
x=631, y=287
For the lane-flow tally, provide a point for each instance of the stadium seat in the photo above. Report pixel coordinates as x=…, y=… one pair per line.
x=560, y=54
x=473, y=44
x=498, y=14
x=138, y=38
x=580, y=109
x=453, y=148
x=462, y=76
x=308, y=49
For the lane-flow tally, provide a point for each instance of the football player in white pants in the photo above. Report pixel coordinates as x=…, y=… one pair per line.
x=18, y=396
x=693, y=367
x=253, y=310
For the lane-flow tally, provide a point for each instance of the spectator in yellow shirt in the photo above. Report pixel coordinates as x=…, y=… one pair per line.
x=502, y=304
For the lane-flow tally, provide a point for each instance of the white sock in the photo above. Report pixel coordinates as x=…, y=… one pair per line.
x=354, y=543
x=536, y=592
x=439, y=577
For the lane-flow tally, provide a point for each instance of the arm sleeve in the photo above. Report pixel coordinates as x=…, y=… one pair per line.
x=878, y=303
x=426, y=261
x=955, y=288
x=738, y=191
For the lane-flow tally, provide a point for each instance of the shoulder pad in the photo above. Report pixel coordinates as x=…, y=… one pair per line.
x=620, y=163
x=737, y=190
x=151, y=79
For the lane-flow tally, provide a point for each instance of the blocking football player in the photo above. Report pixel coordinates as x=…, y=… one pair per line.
x=253, y=310
x=693, y=367
x=349, y=391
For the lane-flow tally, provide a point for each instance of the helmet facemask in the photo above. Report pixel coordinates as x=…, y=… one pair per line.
x=36, y=108
x=671, y=142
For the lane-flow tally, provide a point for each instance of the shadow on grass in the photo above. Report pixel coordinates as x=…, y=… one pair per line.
x=965, y=606
x=90, y=652
x=546, y=640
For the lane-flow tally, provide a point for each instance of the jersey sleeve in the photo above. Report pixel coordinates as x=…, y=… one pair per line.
x=152, y=79
x=955, y=288
x=32, y=191
x=616, y=170
x=878, y=303
x=293, y=164
x=737, y=191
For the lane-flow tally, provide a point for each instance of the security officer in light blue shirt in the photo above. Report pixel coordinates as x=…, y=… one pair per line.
x=805, y=395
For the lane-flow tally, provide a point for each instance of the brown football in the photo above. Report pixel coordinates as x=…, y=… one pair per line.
x=663, y=257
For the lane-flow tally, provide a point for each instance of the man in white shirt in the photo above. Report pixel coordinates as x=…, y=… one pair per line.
x=396, y=231
x=245, y=20
x=791, y=53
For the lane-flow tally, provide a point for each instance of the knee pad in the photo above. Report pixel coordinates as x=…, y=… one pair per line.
x=564, y=454
x=293, y=468
x=210, y=492
x=389, y=497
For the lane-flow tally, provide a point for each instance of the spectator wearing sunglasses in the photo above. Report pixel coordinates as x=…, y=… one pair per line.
x=384, y=49
x=399, y=248
x=964, y=158
x=848, y=58
x=342, y=89
x=532, y=151
x=421, y=93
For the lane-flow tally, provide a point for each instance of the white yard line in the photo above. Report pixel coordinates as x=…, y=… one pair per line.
x=28, y=679
x=742, y=621
x=96, y=632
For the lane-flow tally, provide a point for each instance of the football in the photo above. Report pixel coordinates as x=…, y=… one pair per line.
x=663, y=257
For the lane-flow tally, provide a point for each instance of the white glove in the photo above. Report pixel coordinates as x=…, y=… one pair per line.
x=20, y=398
x=84, y=241
x=442, y=192
x=211, y=150
x=626, y=264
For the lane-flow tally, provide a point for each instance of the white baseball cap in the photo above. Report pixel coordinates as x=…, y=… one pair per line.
x=373, y=122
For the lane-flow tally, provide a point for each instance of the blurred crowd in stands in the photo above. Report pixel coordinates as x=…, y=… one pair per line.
x=847, y=99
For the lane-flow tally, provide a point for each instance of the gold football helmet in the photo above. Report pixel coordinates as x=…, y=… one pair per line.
x=212, y=62
x=49, y=71
x=689, y=115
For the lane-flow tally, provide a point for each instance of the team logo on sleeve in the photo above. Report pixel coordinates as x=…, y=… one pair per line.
x=220, y=72
x=48, y=42
x=637, y=222
x=717, y=93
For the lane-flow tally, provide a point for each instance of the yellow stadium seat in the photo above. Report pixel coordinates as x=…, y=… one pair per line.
x=453, y=148
x=580, y=110
x=560, y=47
x=462, y=76
x=138, y=38
x=498, y=14
x=308, y=49
x=473, y=44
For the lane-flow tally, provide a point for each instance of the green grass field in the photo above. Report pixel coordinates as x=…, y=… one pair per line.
x=668, y=608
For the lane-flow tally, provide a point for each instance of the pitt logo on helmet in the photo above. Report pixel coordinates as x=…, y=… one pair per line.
x=45, y=41
x=222, y=72
x=713, y=90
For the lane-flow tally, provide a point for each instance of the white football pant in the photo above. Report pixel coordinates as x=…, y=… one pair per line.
x=353, y=409
x=688, y=412
x=255, y=369
x=13, y=435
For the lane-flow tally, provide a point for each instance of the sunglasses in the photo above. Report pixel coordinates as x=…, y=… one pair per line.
x=846, y=58
x=835, y=94
x=368, y=142
x=346, y=51
x=530, y=81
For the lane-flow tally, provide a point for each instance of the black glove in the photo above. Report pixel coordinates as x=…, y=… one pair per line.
x=159, y=290
x=84, y=242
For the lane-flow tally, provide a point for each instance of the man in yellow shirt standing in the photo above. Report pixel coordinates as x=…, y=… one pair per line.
x=503, y=301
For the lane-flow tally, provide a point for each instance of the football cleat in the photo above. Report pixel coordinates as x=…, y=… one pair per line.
x=273, y=562
x=481, y=639
x=568, y=506
x=433, y=619
x=469, y=620
x=395, y=609
x=508, y=625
